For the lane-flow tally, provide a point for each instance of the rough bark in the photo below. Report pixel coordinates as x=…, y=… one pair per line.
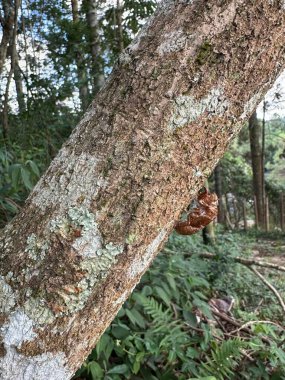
x=103, y=209
x=255, y=131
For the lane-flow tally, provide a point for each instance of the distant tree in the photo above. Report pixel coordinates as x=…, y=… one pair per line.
x=255, y=135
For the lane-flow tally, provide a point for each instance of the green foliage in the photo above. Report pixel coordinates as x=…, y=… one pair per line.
x=156, y=334
x=18, y=175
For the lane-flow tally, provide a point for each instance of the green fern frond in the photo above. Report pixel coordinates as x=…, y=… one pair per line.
x=223, y=359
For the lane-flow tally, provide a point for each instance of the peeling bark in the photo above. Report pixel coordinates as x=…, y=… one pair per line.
x=105, y=206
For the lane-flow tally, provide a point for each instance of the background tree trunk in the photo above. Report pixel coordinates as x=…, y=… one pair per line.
x=103, y=209
x=255, y=132
x=7, y=23
x=13, y=42
x=81, y=69
x=19, y=83
x=120, y=37
x=97, y=69
x=219, y=192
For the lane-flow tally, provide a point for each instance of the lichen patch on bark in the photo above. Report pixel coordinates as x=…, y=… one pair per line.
x=18, y=329
x=71, y=182
x=187, y=109
x=47, y=366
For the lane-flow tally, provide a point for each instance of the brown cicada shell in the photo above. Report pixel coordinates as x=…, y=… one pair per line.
x=200, y=216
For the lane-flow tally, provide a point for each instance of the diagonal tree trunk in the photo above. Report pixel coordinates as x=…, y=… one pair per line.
x=103, y=209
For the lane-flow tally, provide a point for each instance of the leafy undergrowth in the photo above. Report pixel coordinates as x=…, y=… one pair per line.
x=156, y=335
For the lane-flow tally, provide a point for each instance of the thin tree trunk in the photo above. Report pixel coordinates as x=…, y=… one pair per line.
x=7, y=22
x=13, y=50
x=282, y=211
x=244, y=215
x=19, y=84
x=119, y=13
x=208, y=232
x=267, y=223
x=97, y=59
x=255, y=133
x=256, y=212
x=81, y=69
x=263, y=163
x=219, y=192
x=104, y=208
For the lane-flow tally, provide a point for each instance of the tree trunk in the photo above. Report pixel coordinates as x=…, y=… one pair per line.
x=13, y=43
x=7, y=22
x=97, y=60
x=219, y=192
x=255, y=132
x=120, y=36
x=81, y=69
x=19, y=84
x=12, y=52
x=105, y=206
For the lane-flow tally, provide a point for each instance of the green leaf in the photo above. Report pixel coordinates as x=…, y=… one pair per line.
x=192, y=353
x=26, y=178
x=162, y=294
x=120, y=332
x=95, y=370
x=171, y=281
x=135, y=317
x=203, y=378
x=119, y=369
x=104, y=346
x=34, y=167
x=136, y=367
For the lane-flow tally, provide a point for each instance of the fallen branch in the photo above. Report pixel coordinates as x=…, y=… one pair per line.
x=254, y=322
x=240, y=260
x=240, y=327
x=270, y=286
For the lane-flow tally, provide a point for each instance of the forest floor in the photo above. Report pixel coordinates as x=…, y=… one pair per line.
x=270, y=250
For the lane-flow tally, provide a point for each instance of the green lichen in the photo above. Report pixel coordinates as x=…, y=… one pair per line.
x=37, y=310
x=7, y=296
x=108, y=166
x=36, y=248
x=206, y=54
x=77, y=217
x=155, y=73
x=82, y=217
x=96, y=268
x=131, y=239
x=97, y=259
